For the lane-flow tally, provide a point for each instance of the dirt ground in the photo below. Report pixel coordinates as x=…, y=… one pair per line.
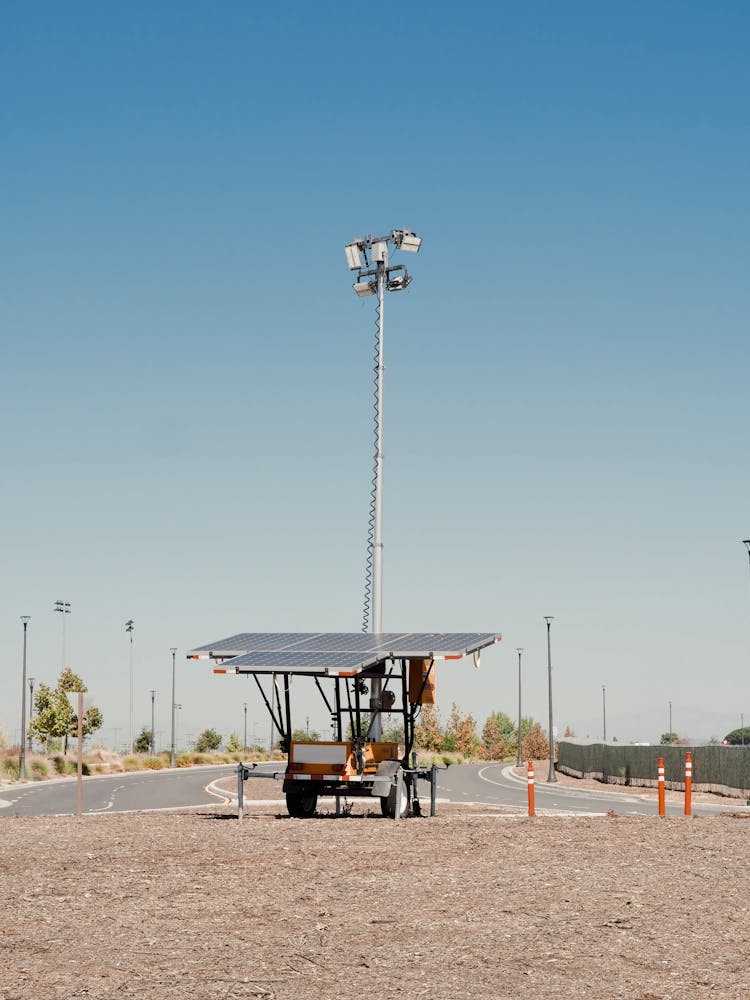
x=195, y=904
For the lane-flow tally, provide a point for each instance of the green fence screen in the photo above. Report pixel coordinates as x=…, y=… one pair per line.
x=717, y=768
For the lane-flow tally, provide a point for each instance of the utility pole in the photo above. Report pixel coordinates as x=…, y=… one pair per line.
x=129, y=626
x=22, y=759
x=519, y=755
x=551, y=776
x=173, y=651
x=604, y=714
x=153, y=725
x=31, y=709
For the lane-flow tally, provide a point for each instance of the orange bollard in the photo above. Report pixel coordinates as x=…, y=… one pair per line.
x=688, y=781
x=661, y=785
x=531, y=788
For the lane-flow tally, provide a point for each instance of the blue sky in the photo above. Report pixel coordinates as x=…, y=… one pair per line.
x=186, y=406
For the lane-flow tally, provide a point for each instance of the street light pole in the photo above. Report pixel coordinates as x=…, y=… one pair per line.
x=31, y=709
x=244, y=738
x=604, y=714
x=173, y=651
x=153, y=725
x=519, y=754
x=22, y=759
x=64, y=608
x=551, y=776
x=129, y=626
x=670, y=722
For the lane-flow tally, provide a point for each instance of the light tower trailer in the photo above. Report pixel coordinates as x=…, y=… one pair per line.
x=342, y=666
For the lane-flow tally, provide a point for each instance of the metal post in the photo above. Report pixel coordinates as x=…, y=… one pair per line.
x=399, y=793
x=670, y=722
x=173, y=651
x=129, y=625
x=64, y=608
x=433, y=788
x=240, y=790
x=376, y=686
x=22, y=741
x=153, y=725
x=604, y=714
x=79, y=782
x=31, y=709
x=551, y=776
x=519, y=758
x=244, y=741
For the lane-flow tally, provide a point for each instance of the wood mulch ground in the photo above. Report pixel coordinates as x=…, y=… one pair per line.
x=458, y=907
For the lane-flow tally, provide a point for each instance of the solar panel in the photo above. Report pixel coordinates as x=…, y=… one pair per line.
x=336, y=652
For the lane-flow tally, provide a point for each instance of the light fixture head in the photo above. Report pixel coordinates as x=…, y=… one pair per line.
x=364, y=288
x=746, y=541
x=353, y=255
x=405, y=239
x=399, y=283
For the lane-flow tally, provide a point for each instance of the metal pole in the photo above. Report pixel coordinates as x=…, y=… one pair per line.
x=31, y=709
x=153, y=725
x=604, y=714
x=173, y=651
x=376, y=687
x=244, y=741
x=79, y=790
x=519, y=757
x=129, y=625
x=22, y=741
x=551, y=776
x=670, y=722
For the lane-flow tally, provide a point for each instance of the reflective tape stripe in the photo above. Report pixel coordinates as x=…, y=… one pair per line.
x=531, y=781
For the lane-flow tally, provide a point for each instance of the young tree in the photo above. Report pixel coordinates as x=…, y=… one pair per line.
x=667, y=738
x=233, y=744
x=535, y=745
x=142, y=742
x=498, y=736
x=54, y=716
x=461, y=733
x=209, y=739
x=428, y=732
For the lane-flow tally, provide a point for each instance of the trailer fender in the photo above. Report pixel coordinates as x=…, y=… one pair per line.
x=385, y=777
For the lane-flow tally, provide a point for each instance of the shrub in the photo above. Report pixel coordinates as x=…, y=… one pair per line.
x=153, y=763
x=184, y=760
x=209, y=739
x=39, y=768
x=10, y=769
x=131, y=763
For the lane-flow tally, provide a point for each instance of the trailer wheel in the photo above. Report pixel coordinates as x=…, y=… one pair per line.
x=302, y=804
x=388, y=802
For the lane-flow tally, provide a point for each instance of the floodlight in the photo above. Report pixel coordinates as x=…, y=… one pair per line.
x=405, y=239
x=353, y=256
x=399, y=283
x=364, y=288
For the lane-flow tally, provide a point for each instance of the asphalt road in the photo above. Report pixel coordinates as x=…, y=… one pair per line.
x=184, y=788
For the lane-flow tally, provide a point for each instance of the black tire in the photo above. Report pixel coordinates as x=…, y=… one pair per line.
x=302, y=804
x=388, y=802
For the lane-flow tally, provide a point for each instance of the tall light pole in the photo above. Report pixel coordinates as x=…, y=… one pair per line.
x=153, y=725
x=670, y=722
x=31, y=708
x=64, y=609
x=604, y=714
x=551, y=776
x=22, y=759
x=129, y=626
x=244, y=739
x=173, y=651
x=375, y=277
x=519, y=755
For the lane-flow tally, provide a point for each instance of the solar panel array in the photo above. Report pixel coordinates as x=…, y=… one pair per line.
x=336, y=652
